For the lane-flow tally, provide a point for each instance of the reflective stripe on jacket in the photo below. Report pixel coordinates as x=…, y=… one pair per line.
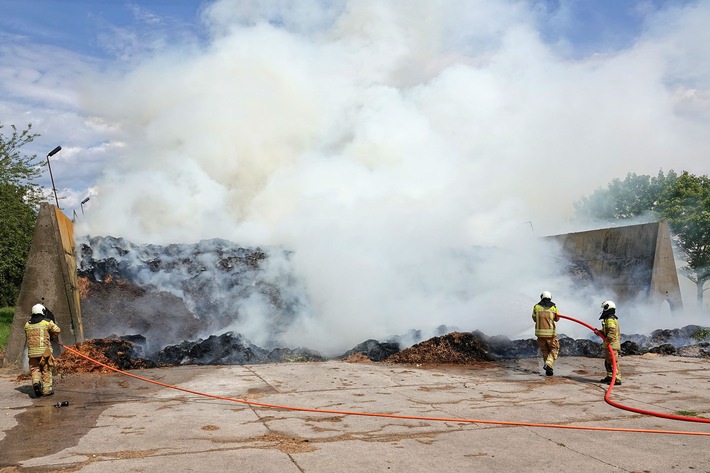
x=545, y=318
x=610, y=329
x=38, y=337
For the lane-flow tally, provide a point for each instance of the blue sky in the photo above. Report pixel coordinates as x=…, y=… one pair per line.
x=82, y=25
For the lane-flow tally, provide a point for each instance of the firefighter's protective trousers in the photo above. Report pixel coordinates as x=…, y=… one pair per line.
x=612, y=333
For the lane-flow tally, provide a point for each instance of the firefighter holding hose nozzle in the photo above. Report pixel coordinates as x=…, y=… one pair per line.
x=612, y=338
x=40, y=331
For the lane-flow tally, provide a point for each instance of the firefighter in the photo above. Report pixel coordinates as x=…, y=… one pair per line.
x=612, y=337
x=545, y=316
x=40, y=331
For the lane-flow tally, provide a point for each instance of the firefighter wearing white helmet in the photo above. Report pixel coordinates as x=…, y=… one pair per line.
x=40, y=331
x=545, y=316
x=612, y=338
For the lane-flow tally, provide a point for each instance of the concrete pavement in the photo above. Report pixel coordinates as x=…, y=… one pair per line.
x=116, y=423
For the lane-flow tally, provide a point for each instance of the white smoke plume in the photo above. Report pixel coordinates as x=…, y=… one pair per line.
x=381, y=140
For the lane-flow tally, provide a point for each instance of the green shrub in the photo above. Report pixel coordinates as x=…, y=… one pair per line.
x=6, y=314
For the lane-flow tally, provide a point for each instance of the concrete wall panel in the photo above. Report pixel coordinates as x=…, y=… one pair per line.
x=628, y=262
x=50, y=279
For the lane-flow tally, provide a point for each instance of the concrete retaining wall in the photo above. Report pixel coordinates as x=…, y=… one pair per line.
x=627, y=262
x=50, y=279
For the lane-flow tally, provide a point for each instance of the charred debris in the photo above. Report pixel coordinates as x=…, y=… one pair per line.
x=137, y=300
x=128, y=352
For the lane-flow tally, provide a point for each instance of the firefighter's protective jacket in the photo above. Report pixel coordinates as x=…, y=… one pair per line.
x=545, y=315
x=611, y=331
x=39, y=337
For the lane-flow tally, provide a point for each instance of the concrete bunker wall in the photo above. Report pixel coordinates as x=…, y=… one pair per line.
x=49, y=278
x=626, y=261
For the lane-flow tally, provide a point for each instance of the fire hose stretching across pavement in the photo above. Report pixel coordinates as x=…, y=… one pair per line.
x=607, y=398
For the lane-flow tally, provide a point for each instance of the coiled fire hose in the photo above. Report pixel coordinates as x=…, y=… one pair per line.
x=438, y=419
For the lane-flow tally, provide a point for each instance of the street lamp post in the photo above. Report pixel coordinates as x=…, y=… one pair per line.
x=82, y=204
x=532, y=229
x=54, y=189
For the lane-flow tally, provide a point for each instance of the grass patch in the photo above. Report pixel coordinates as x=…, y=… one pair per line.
x=689, y=414
x=6, y=314
x=701, y=334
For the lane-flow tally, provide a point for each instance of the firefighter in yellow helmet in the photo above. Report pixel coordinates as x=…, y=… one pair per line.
x=612, y=338
x=545, y=316
x=40, y=331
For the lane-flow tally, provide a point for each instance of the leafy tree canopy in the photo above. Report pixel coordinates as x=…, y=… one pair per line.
x=19, y=199
x=686, y=206
x=18, y=169
x=635, y=196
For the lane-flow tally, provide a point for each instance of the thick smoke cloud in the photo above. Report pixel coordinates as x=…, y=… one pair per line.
x=379, y=141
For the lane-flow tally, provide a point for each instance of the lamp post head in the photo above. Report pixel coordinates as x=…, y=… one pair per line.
x=85, y=200
x=51, y=176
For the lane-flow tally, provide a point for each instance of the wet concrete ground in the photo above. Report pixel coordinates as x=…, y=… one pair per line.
x=117, y=423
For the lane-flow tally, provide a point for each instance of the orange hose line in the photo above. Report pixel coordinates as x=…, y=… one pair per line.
x=390, y=416
x=607, y=395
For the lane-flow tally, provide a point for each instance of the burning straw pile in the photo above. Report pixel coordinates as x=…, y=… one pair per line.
x=114, y=353
x=455, y=347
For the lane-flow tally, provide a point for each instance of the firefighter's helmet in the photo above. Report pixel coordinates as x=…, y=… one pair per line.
x=38, y=309
x=546, y=295
x=606, y=305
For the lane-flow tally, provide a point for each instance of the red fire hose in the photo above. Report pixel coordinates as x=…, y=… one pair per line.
x=607, y=396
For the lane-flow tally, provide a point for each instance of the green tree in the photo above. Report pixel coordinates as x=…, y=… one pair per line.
x=19, y=199
x=686, y=206
x=684, y=201
x=633, y=197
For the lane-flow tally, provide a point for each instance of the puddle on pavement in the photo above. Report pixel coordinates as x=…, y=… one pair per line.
x=44, y=429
